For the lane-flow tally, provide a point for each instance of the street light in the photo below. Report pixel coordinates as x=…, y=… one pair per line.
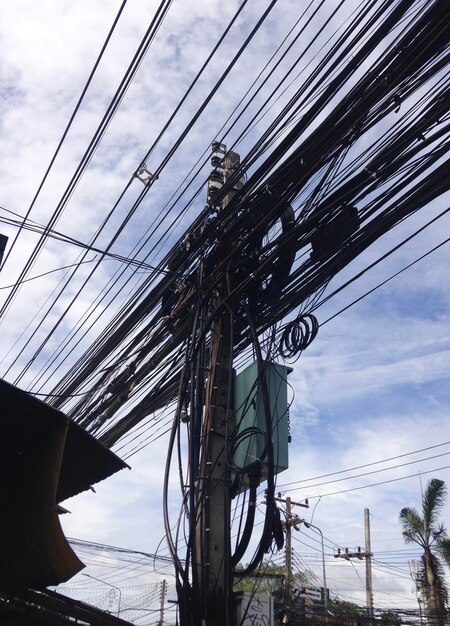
x=109, y=585
x=325, y=594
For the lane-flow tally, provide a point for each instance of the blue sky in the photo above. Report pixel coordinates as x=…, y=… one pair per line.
x=373, y=385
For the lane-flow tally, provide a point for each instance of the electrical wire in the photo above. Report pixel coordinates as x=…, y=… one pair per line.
x=359, y=145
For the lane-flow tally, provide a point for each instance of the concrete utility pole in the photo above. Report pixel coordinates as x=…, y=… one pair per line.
x=291, y=520
x=367, y=555
x=288, y=551
x=216, y=559
x=213, y=506
x=162, y=602
x=369, y=592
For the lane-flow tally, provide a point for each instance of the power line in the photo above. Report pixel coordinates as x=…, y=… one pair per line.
x=351, y=469
x=384, y=469
x=72, y=117
x=385, y=482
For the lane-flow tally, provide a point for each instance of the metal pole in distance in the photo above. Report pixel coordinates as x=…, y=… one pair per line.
x=324, y=572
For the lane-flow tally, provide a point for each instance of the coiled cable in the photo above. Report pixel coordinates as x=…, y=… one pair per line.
x=298, y=335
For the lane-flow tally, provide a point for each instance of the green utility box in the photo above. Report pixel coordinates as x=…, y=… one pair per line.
x=250, y=449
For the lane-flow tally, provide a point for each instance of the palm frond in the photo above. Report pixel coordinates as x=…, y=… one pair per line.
x=427, y=531
x=443, y=547
x=412, y=526
x=432, y=503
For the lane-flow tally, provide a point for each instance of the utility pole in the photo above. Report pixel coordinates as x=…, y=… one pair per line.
x=162, y=602
x=288, y=551
x=367, y=555
x=213, y=504
x=414, y=573
x=369, y=592
x=291, y=520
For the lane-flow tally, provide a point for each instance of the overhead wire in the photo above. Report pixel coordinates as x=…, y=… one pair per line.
x=151, y=351
x=66, y=130
x=176, y=145
x=126, y=80
x=385, y=482
x=357, y=467
x=378, y=471
x=111, y=110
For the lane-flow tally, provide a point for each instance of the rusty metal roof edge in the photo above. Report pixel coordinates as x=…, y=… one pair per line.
x=86, y=460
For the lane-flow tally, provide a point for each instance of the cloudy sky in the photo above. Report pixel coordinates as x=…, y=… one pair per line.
x=370, y=396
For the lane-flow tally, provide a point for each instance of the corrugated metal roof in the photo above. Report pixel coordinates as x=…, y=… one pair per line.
x=25, y=420
x=44, y=458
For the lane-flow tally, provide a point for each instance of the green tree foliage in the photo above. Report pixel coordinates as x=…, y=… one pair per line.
x=444, y=549
x=390, y=618
x=345, y=609
x=268, y=578
x=425, y=529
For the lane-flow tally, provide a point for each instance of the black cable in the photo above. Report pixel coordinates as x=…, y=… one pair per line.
x=112, y=108
x=177, y=144
x=392, y=458
x=367, y=293
x=64, y=135
x=385, y=482
x=307, y=278
x=126, y=80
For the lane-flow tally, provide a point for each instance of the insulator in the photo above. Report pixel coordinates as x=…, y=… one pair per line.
x=216, y=177
x=216, y=146
x=216, y=161
x=213, y=191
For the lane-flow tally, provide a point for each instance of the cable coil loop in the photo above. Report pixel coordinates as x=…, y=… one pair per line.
x=298, y=335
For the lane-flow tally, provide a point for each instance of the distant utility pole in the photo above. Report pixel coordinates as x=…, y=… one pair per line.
x=162, y=602
x=324, y=572
x=288, y=550
x=414, y=573
x=369, y=591
x=291, y=520
x=367, y=555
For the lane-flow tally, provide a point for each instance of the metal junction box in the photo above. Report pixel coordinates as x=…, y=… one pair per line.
x=250, y=450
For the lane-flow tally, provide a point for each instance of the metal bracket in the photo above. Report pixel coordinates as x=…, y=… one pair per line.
x=144, y=175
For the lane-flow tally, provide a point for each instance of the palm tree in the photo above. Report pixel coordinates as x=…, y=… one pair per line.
x=429, y=533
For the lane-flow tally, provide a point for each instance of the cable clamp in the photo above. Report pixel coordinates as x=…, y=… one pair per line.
x=143, y=174
x=371, y=174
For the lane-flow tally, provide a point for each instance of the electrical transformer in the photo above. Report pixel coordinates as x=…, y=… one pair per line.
x=252, y=400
